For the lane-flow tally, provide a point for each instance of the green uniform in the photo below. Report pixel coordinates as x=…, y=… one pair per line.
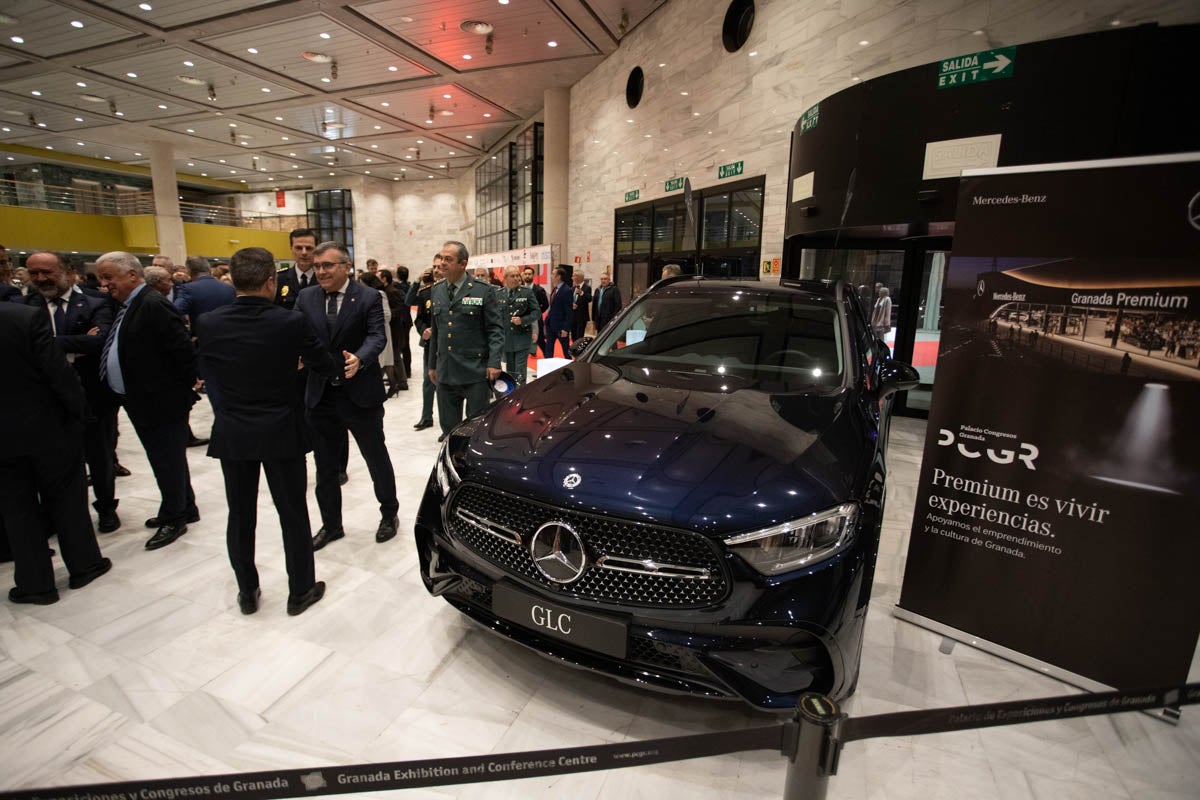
x=518, y=339
x=467, y=337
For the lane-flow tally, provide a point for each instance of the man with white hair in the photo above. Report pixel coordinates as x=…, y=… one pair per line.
x=149, y=362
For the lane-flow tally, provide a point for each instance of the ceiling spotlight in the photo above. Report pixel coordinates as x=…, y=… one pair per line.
x=445, y=112
x=551, y=43
x=188, y=64
x=79, y=119
x=487, y=114
x=36, y=93
x=446, y=96
x=466, y=56
x=16, y=40
x=477, y=27
x=81, y=84
x=320, y=58
x=76, y=23
x=267, y=90
x=863, y=43
x=145, y=7
x=252, y=51
x=161, y=106
x=131, y=74
x=503, y=2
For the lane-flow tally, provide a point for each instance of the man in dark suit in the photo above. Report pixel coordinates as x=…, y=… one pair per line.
x=606, y=302
x=420, y=296
x=204, y=292
x=581, y=306
x=558, y=318
x=148, y=361
x=80, y=325
x=466, y=339
x=347, y=319
x=42, y=458
x=290, y=281
x=527, y=276
x=7, y=290
x=248, y=352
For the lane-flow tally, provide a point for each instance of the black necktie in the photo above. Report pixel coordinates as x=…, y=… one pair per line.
x=303, y=281
x=60, y=317
x=331, y=310
x=451, y=289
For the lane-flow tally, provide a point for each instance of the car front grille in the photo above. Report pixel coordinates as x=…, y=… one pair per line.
x=628, y=563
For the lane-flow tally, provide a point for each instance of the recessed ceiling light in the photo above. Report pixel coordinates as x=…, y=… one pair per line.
x=404, y=169
x=162, y=106
x=76, y=23
x=266, y=89
x=79, y=143
x=17, y=40
x=428, y=122
x=270, y=179
x=977, y=33
x=49, y=147
x=233, y=172
x=629, y=120
x=366, y=171
x=855, y=78
x=469, y=136
x=108, y=158
x=131, y=74
x=466, y=56
x=188, y=64
x=695, y=113
x=221, y=161
x=299, y=176
x=374, y=146
x=36, y=93
x=331, y=173
x=420, y=141
x=119, y=113
x=430, y=176
x=191, y=164
x=685, y=94
x=551, y=43
x=91, y=98
x=138, y=154
x=293, y=155
x=393, y=69
x=1115, y=23
x=243, y=180
x=81, y=84
x=292, y=166
x=408, y=156
x=191, y=130
x=79, y=119
x=325, y=36
x=863, y=43
x=252, y=50
x=41, y=124
x=661, y=65
x=446, y=96
x=325, y=80
x=503, y=2
x=487, y=114
x=646, y=135
x=385, y=104
x=378, y=127
x=145, y=7
x=368, y=161
x=451, y=152
x=753, y=52
x=284, y=139
x=233, y=124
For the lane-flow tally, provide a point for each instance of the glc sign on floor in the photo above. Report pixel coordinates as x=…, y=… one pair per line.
x=986, y=65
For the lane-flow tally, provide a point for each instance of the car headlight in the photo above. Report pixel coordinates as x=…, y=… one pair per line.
x=447, y=476
x=795, y=544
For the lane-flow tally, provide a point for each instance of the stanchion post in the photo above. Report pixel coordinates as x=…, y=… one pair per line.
x=812, y=747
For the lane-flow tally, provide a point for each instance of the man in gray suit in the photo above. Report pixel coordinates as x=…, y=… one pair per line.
x=466, y=341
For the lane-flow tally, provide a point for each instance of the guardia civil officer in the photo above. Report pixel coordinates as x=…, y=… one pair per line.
x=466, y=339
x=521, y=310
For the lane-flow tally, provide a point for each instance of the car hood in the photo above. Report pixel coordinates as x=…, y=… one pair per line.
x=677, y=450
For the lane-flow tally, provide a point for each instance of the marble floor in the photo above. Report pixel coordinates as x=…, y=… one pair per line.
x=151, y=672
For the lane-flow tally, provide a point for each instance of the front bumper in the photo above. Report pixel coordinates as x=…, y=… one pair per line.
x=765, y=657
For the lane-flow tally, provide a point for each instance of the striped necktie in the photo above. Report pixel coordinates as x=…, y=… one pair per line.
x=109, y=342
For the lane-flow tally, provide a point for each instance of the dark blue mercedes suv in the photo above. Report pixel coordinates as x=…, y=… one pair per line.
x=694, y=504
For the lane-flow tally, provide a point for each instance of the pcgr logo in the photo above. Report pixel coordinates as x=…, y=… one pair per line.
x=1026, y=453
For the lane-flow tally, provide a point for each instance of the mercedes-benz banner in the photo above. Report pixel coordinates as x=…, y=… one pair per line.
x=1058, y=510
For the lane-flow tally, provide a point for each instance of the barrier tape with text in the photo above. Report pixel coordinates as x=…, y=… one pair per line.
x=390, y=776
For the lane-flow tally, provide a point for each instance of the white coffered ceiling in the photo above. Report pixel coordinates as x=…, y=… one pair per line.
x=262, y=92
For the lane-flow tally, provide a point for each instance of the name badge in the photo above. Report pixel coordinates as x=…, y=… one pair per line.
x=472, y=301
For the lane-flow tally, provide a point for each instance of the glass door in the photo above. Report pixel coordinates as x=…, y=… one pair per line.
x=927, y=333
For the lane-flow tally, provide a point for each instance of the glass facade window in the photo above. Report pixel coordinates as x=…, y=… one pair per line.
x=331, y=216
x=508, y=195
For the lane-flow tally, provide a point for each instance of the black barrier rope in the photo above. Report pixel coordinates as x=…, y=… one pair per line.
x=941, y=720
x=389, y=776
x=812, y=759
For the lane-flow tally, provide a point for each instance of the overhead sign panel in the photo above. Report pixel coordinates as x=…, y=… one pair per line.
x=986, y=65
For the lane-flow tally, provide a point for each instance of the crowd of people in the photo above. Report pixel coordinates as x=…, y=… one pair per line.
x=292, y=359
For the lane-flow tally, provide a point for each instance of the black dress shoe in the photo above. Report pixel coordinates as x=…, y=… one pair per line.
x=120, y=471
x=36, y=598
x=299, y=604
x=109, y=522
x=84, y=578
x=423, y=424
x=193, y=515
x=248, y=603
x=343, y=479
x=325, y=536
x=387, y=529
x=442, y=438
x=195, y=441
x=165, y=535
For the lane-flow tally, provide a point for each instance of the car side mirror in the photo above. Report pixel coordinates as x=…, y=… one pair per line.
x=896, y=376
x=580, y=345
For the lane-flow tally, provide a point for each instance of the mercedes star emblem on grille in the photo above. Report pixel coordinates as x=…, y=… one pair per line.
x=572, y=480
x=558, y=552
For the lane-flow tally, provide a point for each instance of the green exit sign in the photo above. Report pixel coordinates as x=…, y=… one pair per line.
x=810, y=118
x=986, y=65
x=673, y=185
x=634, y=195
x=730, y=170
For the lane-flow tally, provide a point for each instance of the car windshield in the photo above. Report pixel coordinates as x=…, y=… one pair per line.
x=744, y=333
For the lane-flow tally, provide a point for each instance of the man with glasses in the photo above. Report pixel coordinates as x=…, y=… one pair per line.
x=347, y=318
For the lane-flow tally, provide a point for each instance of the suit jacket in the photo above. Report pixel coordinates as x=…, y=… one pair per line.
x=248, y=355
x=606, y=302
x=287, y=286
x=360, y=329
x=201, y=295
x=559, y=317
x=581, y=310
x=84, y=312
x=10, y=294
x=158, y=361
x=468, y=334
x=42, y=397
x=542, y=298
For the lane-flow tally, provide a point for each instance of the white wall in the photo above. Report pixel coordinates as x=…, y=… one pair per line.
x=742, y=108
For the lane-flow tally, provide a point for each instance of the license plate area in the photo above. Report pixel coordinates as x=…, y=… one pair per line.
x=580, y=628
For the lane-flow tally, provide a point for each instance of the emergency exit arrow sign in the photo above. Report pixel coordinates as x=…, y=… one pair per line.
x=986, y=65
